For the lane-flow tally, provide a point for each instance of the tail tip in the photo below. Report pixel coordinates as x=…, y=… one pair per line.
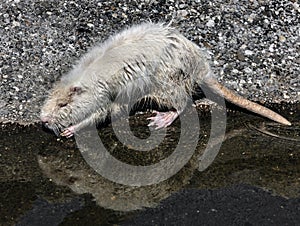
x=286, y=122
x=289, y=123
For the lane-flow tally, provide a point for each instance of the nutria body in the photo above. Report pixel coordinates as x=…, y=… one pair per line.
x=145, y=60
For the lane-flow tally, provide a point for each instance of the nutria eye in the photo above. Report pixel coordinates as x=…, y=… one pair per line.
x=76, y=89
x=61, y=105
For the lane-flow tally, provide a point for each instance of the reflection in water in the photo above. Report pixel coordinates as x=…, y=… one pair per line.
x=249, y=162
x=246, y=156
x=77, y=175
x=80, y=178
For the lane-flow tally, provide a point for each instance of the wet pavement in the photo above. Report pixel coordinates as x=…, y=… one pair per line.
x=254, y=180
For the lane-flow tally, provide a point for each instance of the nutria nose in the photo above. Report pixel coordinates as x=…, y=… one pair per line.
x=45, y=120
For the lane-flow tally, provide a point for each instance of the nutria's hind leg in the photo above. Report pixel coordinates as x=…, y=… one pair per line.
x=176, y=98
x=163, y=119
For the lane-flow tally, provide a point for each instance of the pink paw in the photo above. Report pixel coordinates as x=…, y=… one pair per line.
x=69, y=132
x=163, y=119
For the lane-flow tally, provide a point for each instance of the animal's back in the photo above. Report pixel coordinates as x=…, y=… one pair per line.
x=151, y=51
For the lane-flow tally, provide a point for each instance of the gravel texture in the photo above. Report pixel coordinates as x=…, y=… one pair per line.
x=253, y=44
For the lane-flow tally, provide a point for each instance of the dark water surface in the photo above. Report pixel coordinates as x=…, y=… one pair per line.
x=45, y=180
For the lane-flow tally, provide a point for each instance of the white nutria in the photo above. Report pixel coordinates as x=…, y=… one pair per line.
x=150, y=59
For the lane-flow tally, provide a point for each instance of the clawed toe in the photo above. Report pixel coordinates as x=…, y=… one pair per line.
x=69, y=132
x=162, y=119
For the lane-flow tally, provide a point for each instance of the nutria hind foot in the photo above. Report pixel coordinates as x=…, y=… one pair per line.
x=163, y=119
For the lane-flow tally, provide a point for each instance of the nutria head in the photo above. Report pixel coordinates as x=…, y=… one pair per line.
x=59, y=109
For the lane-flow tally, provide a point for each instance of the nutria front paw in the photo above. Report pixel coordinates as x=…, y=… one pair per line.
x=69, y=132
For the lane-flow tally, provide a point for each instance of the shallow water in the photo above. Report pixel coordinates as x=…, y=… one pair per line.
x=44, y=177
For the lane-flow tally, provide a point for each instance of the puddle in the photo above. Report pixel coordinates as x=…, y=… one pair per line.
x=46, y=179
